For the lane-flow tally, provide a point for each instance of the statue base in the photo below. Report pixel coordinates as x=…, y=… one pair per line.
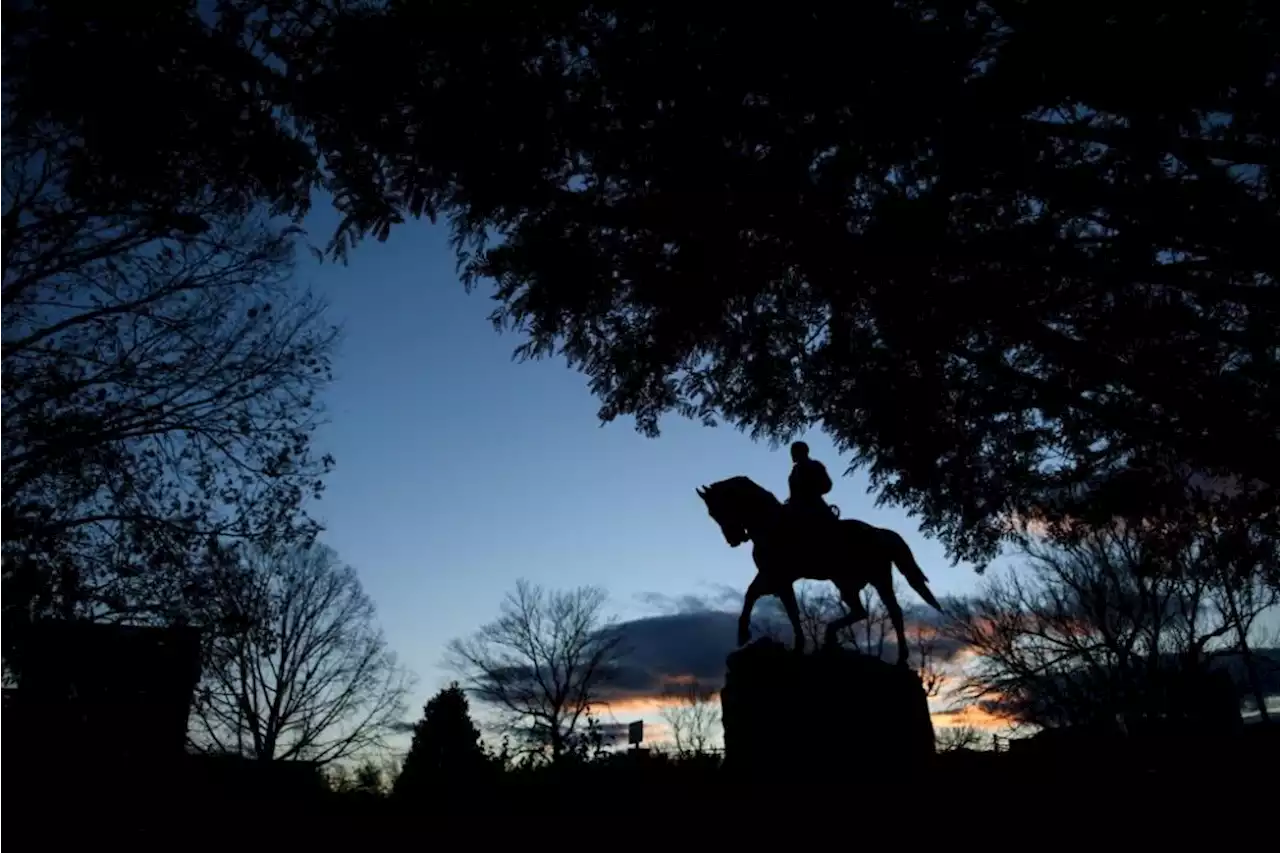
x=834, y=712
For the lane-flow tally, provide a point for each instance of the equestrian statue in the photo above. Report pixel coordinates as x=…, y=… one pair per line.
x=806, y=538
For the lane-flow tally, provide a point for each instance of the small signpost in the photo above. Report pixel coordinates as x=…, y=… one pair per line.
x=635, y=733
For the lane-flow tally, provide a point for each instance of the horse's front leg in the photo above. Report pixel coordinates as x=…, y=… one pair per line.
x=754, y=591
x=788, y=596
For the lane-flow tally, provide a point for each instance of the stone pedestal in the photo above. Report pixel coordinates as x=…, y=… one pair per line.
x=832, y=714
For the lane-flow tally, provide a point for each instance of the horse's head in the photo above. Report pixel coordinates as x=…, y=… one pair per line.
x=726, y=507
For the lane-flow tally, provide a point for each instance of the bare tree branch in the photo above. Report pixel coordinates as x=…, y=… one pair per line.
x=541, y=664
x=160, y=377
x=928, y=665
x=309, y=676
x=956, y=738
x=692, y=714
x=1098, y=628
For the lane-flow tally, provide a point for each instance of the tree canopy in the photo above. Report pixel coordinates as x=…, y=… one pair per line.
x=161, y=370
x=1002, y=252
x=167, y=109
x=999, y=251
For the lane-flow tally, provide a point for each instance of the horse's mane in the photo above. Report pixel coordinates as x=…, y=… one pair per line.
x=746, y=486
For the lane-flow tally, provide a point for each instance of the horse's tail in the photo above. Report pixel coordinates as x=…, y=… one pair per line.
x=902, y=557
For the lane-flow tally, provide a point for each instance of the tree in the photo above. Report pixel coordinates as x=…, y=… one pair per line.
x=1048, y=276
x=446, y=748
x=307, y=675
x=927, y=640
x=958, y=738
x=367, y=779
x=692, y=715
x=1242, y=572
x=1088, y=635
x=170, y=397
x=160, y=369
x=541, y=665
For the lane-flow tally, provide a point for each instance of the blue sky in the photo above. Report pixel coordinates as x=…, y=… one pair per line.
x=460, y=470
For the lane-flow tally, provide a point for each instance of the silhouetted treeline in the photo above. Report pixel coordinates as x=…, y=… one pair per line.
x=1120, y=628
x=452, y=779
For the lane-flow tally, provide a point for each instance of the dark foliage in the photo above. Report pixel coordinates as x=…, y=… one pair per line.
x=1014, y=256
x=166, y=109
x=1001, y=251
x=160, y=369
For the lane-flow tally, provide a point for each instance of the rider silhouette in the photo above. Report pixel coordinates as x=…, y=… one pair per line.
x=808, y=482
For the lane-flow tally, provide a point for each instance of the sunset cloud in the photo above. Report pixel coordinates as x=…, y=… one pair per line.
x=971, y=715
x=686, y=646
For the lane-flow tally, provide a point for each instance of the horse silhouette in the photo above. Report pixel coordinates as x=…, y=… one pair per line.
x=849, y=553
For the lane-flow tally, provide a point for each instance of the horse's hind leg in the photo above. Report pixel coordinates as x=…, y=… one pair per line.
x=851, y=595
x=883, y=583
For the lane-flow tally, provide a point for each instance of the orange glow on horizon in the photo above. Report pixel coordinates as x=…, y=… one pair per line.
x=970, y=716
x=648, y=707
x=651, y=707
x=638, y=705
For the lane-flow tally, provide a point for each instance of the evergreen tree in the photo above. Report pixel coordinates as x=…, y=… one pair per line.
x=446, y=747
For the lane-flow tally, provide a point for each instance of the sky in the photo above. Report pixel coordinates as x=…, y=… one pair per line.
x=460, y=470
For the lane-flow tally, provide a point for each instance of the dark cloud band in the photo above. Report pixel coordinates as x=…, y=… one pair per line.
x=688, y=643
